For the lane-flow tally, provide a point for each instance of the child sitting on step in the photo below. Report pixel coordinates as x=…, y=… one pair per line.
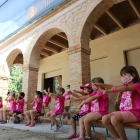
x=59, y=106
x=20, y=105
x=84, y=110
x=37, y=107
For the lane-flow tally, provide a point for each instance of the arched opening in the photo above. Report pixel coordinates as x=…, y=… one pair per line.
x=111, y=31
x=13, y=73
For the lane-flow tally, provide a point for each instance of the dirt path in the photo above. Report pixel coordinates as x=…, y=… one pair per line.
x=7, y=133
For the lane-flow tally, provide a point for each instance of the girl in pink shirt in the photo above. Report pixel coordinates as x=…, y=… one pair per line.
x=46, y=98
x=37, y=107
x=12, y=106
x=99, y=108
x=130, y=102
x=59, y=106
x=84, y=110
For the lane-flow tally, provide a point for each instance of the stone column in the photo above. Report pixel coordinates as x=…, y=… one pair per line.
x=79, y=60
x=30, y=79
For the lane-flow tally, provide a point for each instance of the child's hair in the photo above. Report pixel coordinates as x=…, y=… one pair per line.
x=98, y=80
x=68, y=86
x=0, y=97
x=39, y=93
x=8, y=93
x=132, y=70
x=61, y=90
x=22, y=94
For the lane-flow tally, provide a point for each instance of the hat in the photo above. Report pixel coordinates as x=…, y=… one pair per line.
x=86, y=85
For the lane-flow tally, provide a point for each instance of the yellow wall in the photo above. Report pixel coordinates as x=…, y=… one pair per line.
x=55, y=65
x=111, y=48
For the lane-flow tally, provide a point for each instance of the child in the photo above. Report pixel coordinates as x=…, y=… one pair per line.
x=1, y=102
x=59, y=106
x=67, y=95
x=84, y=110
x=46, y=98
x=19, y=110
x=130, y=102
x=37, y=107
x=99, y=108
x=12, y=106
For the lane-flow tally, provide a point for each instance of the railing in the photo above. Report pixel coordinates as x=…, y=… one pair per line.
x=33, y=12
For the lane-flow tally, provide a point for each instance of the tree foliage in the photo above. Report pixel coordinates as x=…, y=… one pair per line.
x=16, y=77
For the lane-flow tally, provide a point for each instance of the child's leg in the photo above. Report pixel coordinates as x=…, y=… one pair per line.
x=52, y=117
x=1, y=112
x=116, y=121
x=91, y=117
x=5, y=112
x=107, y=122
x=74, y=126
x=82, y=127
x=15, y=116
x=27, y=114
x=49, y=114
x=33, y=113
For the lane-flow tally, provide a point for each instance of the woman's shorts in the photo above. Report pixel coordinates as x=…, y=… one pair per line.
x=128, y=116
x=78, y=116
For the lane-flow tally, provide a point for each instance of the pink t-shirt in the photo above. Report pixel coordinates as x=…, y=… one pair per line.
x=130, y=100
x=12, y=105
x=67, y=96
x=100, y=105
x=20, y=105
x=0, y=104
x=85, y=108
x=59, y=105
x=37, y=106
x=46, y=100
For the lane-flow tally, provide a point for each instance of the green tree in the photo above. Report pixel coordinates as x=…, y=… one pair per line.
x=16, y=76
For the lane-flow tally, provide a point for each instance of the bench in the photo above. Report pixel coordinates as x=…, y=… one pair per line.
x=135, y=125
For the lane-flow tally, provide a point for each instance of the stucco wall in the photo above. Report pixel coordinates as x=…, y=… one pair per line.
x=112, y=48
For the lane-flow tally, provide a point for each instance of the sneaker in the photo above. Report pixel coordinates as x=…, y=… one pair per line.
x=57, y=128
x=17, y=122
x=73, y=136
x=3, y=122
x=79, y=138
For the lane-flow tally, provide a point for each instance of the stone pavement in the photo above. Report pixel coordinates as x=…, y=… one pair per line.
x=42, y=131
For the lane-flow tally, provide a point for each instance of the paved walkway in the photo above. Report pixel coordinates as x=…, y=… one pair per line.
x=42, y=131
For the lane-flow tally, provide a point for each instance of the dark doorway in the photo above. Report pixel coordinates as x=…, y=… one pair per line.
x=49, y=83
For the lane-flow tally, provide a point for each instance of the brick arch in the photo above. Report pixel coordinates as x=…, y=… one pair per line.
x=91, y=16
x=45, y=34
x=11, y=57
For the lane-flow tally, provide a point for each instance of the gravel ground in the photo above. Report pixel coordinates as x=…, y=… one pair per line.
x=7, y=133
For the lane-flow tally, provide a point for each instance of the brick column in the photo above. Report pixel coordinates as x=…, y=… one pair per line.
x=79, y=60
x=30, y=78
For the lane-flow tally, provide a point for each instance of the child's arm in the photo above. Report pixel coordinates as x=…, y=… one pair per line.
x=82, y=93
x=106, y=86
x=118, y=97
x=17, y=101
x=80, y=98
x=52, y=95
x=7, y=97
x=75, y=95
x=29, y=103
x=89, y=100
x=120, y=89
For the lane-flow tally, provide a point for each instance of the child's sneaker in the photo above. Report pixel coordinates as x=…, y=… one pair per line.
x=73, y=136
x=79, y=138
x=3, y=122
x=57, y=128
x=17, y=122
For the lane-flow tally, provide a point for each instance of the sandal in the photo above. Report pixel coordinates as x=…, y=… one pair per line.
x=73, y=136
x=3, y=122
x=27, y=124
x=32, y=125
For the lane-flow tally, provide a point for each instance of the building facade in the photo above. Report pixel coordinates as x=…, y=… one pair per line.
x=78, y=40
